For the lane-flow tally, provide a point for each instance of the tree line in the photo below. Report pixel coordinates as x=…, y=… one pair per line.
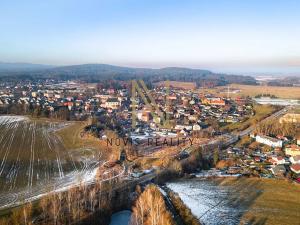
x=84, y=205
x=37, y=111
x=273, y=128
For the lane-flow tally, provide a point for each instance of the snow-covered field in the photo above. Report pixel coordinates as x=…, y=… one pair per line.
x=209, y=202
x=33, y=161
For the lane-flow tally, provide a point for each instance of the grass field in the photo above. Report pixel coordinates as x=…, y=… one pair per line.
x=267, y=201
x=178, y=84
x=74, y=138
x=252, y=91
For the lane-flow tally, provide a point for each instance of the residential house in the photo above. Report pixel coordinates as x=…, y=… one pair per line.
x=214, y=101
x=292, y=150
x=295, y=168
x=298, y=141
x=295, y=159
x=184, y=132
x=193, y=118
x=144, y=116
x=279, y=170
x=181, y=127
x=112, y=103
x=34, y=94
x=277, y=160
x=273, y=142
x=196, y=127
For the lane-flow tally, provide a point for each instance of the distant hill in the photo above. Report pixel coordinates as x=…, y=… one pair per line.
x=288, y=81
x=100, y=72
x=21, y=67
x=117, y=72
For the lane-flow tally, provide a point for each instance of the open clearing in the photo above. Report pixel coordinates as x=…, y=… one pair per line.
x=33, y=158
x=73, y=138
x=252, y=91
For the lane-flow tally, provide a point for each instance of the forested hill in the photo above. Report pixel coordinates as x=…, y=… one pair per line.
x=98, y=72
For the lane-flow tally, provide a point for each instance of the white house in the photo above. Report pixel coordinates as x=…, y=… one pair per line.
x=196, y=127
x=295, y=168
x=112, y=103
x=273, y=142
x=277, y=160
x=292, y=150
x=181, y=127
x=295, y=159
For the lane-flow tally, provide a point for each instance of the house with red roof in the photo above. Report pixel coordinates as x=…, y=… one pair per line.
x=214, y=101
x=292, y=150
x=277, y=160
x=295, y=168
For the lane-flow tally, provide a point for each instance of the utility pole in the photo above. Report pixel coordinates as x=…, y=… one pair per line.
x=227, y=92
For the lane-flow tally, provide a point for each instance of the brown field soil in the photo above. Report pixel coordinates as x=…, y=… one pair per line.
x=161, y=158
x=148, y=163
x=178, y=84
x=30, y=152
x=269, y=201
x=252, y=91
x=38, y=154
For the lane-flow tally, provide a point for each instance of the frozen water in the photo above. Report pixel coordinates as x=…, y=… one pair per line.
x=121, y=218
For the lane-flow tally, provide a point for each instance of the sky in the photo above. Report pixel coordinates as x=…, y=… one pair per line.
x=241, y=36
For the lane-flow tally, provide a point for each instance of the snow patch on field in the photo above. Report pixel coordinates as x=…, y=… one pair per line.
x=33, y=161
x=12, y=119
x=208, y=201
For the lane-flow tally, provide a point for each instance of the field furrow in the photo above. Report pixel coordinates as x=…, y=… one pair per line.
x=33, y=160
